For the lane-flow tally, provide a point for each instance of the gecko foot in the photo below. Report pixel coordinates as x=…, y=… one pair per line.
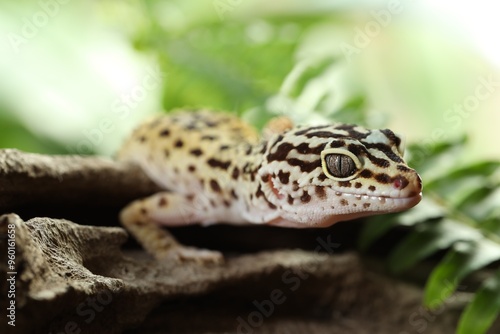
x=192, y=254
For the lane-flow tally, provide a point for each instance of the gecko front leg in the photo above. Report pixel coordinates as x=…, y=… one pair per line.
x=143, y=219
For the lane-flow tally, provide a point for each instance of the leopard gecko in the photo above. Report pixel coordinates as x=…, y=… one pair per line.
x=215, y=169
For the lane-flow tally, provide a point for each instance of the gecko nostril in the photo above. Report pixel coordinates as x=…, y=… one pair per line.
x=400, y=182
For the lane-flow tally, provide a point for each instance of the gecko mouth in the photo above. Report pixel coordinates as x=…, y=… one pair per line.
x=374, y=197
x=381, y=205
x=394, y=204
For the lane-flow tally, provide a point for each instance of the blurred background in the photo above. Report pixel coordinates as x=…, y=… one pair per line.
x=78, y=75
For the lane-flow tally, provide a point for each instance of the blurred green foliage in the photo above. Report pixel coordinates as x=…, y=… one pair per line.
x=460, y=213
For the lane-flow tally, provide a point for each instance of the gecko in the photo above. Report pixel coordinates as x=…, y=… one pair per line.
x=215, y=168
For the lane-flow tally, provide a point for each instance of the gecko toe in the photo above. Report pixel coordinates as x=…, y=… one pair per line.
x=190, y=254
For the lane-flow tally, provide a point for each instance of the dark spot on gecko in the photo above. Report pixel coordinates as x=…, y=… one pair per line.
x=366, y=205
x=179, y=143
x=322, y=177
x=357, y=185
x=337, y=144
x=384, y=149
x=290, y=199
x=365, y=173
x=176, y=170
x=142, y=139
x=263, y=148
x=344, y=202
x=320, y=134
x=383, y=178
x=304, y=165
x=236, y=173
x=304, y=148
x=259, y=192
x=227, y=203
x=295, y=186
x=196, y=152
x=252, y=176
x=305, y=198
x=162, y=202
x=349, y=128
x=372, y=188
x=215, y=186
x=320, y=192
x=190, y=126
x=403, y=168
x=208, y=137
x=361, y=150
x=211, y=124
x=346, y=184
x=354, y=205
x=166, y=152
x=306, y=130
x=391, y=136
x=223, y=147
x=280, y=138
x=190, y=197
x=248, y=150
x=140, y=223
x=281, y=152
x=165, y=133
x=144, y=211
x=218, y=163
x=191, y=168
x=271, y=205
x=212, y=203
x=233, y=194
x=284, y=177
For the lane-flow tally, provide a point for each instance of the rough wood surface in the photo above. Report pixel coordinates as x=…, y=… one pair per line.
x=77, y=276
x=29, y=179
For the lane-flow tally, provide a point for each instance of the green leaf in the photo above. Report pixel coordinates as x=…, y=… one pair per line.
x=483, y=309
x=434, y=160
x=374, y=229
x=460, y=182
x=379, y=225
x=481, y=202
x=351, y=112
x=464, y=258
x=424, y=242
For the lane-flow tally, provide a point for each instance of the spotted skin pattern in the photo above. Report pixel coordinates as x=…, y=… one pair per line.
x=215, y=169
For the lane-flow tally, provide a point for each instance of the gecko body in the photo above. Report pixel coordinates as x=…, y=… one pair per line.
x=216, y=169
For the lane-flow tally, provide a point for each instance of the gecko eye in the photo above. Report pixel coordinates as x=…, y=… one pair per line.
x=339, y=164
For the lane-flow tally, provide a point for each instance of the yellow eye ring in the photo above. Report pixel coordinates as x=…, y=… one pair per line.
x=340, y=164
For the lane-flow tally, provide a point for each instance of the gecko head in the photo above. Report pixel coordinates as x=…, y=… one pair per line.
x=317, y=176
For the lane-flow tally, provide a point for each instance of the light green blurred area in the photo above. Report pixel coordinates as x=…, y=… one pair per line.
x=77, y=76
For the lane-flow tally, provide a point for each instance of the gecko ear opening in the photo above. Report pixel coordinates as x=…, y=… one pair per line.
x=340, y=164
